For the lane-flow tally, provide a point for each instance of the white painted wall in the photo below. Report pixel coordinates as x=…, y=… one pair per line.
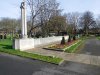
x=29, y=43
x=23, y=44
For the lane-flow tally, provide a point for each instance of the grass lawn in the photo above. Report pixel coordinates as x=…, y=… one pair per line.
x=6, y=47
x=6, y=44
x=74, y=47
x=98, y=37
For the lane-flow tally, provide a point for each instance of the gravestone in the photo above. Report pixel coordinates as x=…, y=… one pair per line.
x=5, y=37
x=1, y=37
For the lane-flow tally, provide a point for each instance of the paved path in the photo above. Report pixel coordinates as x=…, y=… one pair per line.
x=92, y=46
x=81, y=58
x=14, y=65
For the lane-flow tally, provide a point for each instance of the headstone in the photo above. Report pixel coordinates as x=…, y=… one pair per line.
x=1, y=37
x=5, y=37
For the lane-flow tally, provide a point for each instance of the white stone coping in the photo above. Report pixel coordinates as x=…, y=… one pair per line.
x=29, y=43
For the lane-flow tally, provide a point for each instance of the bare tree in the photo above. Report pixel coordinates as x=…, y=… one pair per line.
x=87, y=20
x=9, y=25
x=73, y=22
x=42, y=10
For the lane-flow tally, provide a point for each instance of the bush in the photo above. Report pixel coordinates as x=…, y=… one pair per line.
x=69, y=39
x=17, y=36
x=74, y=37
x=63, y=40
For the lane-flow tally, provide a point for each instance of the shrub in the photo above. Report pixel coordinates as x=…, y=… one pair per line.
x=63, y=40
x=74, y=37
x=69, y=39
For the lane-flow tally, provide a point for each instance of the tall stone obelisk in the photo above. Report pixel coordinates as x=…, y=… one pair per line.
x=23, y=19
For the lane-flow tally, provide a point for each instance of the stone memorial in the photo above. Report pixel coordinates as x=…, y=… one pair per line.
x=25, y=43
x=23, y=19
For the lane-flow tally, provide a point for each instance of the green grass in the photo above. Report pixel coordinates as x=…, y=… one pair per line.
x=6, y=44
x=98, y=38
x=81, y=43
x=73, y=48
x=6, y=47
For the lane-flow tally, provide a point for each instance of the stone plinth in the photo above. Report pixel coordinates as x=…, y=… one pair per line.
x=23, y=44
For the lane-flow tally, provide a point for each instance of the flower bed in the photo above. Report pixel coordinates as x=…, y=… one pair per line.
x=59, y=47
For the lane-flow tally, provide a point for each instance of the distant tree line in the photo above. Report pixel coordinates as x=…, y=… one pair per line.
x=46, y=18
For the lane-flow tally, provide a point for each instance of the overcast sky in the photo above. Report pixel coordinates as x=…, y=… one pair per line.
x=10, y=8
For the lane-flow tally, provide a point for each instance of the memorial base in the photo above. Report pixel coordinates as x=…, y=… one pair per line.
x=23, y=44
x=29, y=43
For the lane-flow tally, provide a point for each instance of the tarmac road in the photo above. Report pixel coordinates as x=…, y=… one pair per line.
x=14, y=65
x=92, y=47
